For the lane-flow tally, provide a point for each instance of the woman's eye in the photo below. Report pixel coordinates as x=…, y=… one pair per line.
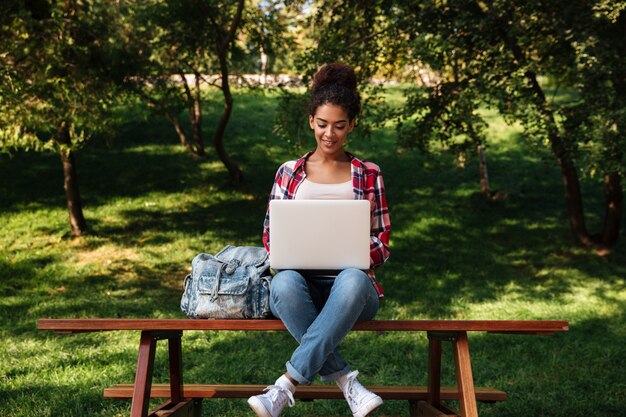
x=321, y=126
x=340, y=127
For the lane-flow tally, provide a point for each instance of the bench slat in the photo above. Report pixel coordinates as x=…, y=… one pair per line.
x=303, y=392
x=498, y=326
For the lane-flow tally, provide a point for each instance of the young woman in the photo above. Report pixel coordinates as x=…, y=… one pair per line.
x=319, y=311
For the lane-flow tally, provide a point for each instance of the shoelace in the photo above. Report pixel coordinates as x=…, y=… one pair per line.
x=355, y=392
x=274, y=391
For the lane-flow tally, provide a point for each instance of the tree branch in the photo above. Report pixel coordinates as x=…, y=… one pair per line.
x=367, y=37
x=233, y=26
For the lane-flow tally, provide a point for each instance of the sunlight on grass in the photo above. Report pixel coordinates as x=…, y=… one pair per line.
x=104, y=255
x=581, y=302
x=155, y=149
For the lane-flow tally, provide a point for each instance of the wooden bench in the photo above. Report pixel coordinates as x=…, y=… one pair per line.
x=185, y=399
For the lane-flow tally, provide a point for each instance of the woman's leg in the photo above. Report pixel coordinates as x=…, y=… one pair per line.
x=297, y=302
x=294, y=302
x=352, y=298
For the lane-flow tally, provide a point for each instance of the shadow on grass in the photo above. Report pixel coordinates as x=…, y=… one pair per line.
x=60, y=401
x=30, y=293
x=450, y=243
x=233, y=221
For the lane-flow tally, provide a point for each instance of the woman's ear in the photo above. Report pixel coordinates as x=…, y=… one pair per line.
x=311, y=122
x=351, y=125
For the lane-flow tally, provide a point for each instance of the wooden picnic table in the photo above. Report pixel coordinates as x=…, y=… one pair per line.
x=185, y=400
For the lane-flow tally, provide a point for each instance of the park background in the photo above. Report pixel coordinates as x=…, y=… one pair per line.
x=136, y=119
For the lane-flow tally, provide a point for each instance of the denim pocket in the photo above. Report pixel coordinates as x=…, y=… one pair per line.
x=235, y=284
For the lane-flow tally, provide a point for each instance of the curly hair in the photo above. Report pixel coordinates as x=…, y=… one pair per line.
x=335, y=84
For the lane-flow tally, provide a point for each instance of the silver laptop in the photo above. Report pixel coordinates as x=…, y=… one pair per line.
x=319, y=234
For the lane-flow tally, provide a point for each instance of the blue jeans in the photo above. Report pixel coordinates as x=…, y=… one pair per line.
x=319, y=313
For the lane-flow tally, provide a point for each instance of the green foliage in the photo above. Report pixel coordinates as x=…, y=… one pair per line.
x=171, y=39
x=184, y=37
x=364, y=34
x=493, y=53
x=502, y=55
x=291, y=123
x=266, y=30
x=54, y=71
x=444, y=116
x=598, y=119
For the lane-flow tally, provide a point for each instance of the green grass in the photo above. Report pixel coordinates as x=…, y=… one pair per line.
x=151, y=207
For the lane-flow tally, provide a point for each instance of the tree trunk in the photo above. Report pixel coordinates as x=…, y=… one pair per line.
x=182, y=136
x=612, y=181
x=613, y=208
x=194, y=103
x=70, y=182
x=569, y=173
x=264, y=66
x=482, y=170
x=218, y=138
x=573, y=197
x=196, y=123
x=485, y=189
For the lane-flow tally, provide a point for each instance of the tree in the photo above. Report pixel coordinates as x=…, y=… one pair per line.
x=506, y=47
x=502, y=51
x=223, y=40
x=445, y=110
x=598, y=120
x=54, y=89
x=179, y=44
x=344, y=31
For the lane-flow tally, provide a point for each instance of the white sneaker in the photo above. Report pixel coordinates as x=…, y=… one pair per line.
x=273, y=402
x=361, y=401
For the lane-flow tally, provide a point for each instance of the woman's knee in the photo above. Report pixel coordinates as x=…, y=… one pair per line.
x=355, y=288
x=354, y=281
x=287, y=283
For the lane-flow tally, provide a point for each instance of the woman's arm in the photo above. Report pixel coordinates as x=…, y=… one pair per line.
x=278, y=192
x=380, y=224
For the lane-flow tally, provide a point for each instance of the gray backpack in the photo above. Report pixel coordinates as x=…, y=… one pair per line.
x=233, y=284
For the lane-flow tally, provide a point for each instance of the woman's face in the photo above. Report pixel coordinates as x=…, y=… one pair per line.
x=331, y=126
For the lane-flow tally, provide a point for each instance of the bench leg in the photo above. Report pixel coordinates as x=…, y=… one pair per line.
x=185, y=408
x=424, y=409
x=145, y=370
x=176, y=368
x=434, y=372
x=143, y=377
x=465, y=380
x=197, y=407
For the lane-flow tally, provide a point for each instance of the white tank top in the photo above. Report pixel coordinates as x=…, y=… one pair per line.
x=309, y=190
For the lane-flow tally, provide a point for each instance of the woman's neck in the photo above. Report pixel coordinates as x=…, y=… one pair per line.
x=327, y=168
x=320, y=156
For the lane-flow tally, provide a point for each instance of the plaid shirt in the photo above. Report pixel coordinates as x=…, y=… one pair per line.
x=367, y=183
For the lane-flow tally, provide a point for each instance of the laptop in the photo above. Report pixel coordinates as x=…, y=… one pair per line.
x=319, y=235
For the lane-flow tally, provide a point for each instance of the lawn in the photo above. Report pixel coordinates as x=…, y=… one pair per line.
x=150, y=208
